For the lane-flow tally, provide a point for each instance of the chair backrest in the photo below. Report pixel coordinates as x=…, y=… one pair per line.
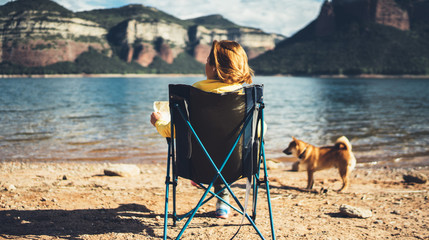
x=217, y=119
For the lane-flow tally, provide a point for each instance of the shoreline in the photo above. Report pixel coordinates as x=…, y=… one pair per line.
x=148, y=75
x=378, y=76
x=83, y=75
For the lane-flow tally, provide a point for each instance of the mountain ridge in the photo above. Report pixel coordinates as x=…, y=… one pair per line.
x=41, y=33
x=35, y=5
x=383, y=37
x=349, y=37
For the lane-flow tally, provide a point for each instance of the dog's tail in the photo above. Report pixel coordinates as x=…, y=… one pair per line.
x=343, y=143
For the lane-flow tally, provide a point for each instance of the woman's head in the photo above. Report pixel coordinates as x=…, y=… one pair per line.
x=229, y=62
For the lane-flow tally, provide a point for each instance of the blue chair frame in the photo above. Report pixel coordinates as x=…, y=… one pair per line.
x=253, y=116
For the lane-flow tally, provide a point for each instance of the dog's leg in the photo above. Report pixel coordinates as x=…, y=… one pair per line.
x=310, y=179
x=344, y=173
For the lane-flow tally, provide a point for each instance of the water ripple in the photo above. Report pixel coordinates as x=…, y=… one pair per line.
x=108, y=118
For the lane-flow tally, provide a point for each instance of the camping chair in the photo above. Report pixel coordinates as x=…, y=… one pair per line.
x=216, y=141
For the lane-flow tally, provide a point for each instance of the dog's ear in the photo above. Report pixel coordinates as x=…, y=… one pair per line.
x=341, y=146
x=293, y=138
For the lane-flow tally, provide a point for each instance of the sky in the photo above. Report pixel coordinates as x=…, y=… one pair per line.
x=272, y=16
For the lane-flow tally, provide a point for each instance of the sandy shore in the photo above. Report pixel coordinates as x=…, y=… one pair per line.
x=77, y=201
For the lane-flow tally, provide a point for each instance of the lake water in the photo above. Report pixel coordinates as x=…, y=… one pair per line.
x=107, y=119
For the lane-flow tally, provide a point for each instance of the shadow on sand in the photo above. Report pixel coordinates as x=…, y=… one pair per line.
x=73, y=223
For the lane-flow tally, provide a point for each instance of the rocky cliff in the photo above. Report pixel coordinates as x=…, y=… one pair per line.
x=352, y=37
x=41, y=37
x=389, y=13
x=41, y=33
x=340, y=15
x=339, y=12
x=253, y=40
x=143, y=40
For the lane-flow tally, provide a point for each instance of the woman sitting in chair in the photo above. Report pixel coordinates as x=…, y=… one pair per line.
x=226, y=69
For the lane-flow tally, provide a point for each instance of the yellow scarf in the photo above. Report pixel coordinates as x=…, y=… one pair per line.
x=216, y=86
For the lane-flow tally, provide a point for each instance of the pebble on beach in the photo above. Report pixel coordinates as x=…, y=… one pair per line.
x=415, y=177
x=10, y=188
x=122, y=170
x=356, y=212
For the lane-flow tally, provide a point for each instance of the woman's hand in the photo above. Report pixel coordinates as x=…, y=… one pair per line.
x=155, y=116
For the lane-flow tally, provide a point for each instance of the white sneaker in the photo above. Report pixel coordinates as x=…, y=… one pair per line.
x=222, y=209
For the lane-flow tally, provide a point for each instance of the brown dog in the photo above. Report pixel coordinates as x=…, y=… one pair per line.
x=318, y=158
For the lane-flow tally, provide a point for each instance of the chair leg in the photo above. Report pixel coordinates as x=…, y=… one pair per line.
x=213, y=195
x=256, y=181
x=270, y=210
x=200, y=202
x=167, y=188
x=174, y=201
x=255, y=196
x=268, y=193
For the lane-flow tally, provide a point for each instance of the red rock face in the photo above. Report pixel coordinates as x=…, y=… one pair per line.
x=166, y=53
x=201, y=52
x=146, y=54
x=32, y=53
x=130, y=53
x=390, y=14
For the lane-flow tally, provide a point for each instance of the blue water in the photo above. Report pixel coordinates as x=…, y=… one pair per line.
x=93, y=119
